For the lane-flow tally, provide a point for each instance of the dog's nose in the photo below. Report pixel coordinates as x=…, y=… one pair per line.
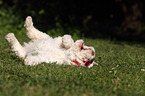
x=87, y=63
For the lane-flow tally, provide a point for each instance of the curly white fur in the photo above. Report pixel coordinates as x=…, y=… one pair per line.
x=43, y=48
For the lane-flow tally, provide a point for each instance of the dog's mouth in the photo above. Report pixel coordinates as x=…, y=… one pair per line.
x=86, y=63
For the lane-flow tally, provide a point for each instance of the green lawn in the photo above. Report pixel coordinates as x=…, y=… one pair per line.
x=118, y=73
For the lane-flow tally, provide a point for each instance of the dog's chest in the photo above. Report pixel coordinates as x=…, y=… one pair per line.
x=47, y=48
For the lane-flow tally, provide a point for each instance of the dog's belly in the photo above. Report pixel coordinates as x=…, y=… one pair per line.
x=46, y=49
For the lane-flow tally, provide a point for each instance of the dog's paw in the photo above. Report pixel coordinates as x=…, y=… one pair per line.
x=9, y=37
x=28, y=22
x=67, y=41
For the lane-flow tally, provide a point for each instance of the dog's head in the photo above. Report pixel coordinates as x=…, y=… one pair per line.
x=81, y=54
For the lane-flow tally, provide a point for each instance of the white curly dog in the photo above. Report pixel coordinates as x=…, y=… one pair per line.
x=43, y=48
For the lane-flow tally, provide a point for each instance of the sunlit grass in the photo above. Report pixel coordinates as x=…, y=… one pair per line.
x=120, y=72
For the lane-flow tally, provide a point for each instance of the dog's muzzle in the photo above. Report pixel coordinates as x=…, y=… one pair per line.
x=86, y=63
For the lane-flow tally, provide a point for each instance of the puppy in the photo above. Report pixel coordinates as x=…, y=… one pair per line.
x=43, y=48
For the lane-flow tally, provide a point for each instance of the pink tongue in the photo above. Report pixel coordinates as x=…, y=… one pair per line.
x=87, y=63
x=77, y=63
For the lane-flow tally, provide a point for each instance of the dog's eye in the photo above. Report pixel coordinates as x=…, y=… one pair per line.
x=82, y=48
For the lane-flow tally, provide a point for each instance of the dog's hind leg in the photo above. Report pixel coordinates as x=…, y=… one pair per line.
x=15, y=45
x=33, y=33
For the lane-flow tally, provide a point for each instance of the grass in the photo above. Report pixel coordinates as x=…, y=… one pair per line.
x=118, y=73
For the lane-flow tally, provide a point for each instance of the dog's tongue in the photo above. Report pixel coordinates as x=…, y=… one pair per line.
x=87, y=63
x=77, y=63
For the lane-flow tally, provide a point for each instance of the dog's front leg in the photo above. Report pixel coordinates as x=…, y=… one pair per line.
x=67, y=41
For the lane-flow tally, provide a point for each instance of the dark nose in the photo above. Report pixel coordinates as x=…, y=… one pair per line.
x=87, y=63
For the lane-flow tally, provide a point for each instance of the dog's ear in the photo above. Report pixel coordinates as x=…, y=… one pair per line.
x=79, y=45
